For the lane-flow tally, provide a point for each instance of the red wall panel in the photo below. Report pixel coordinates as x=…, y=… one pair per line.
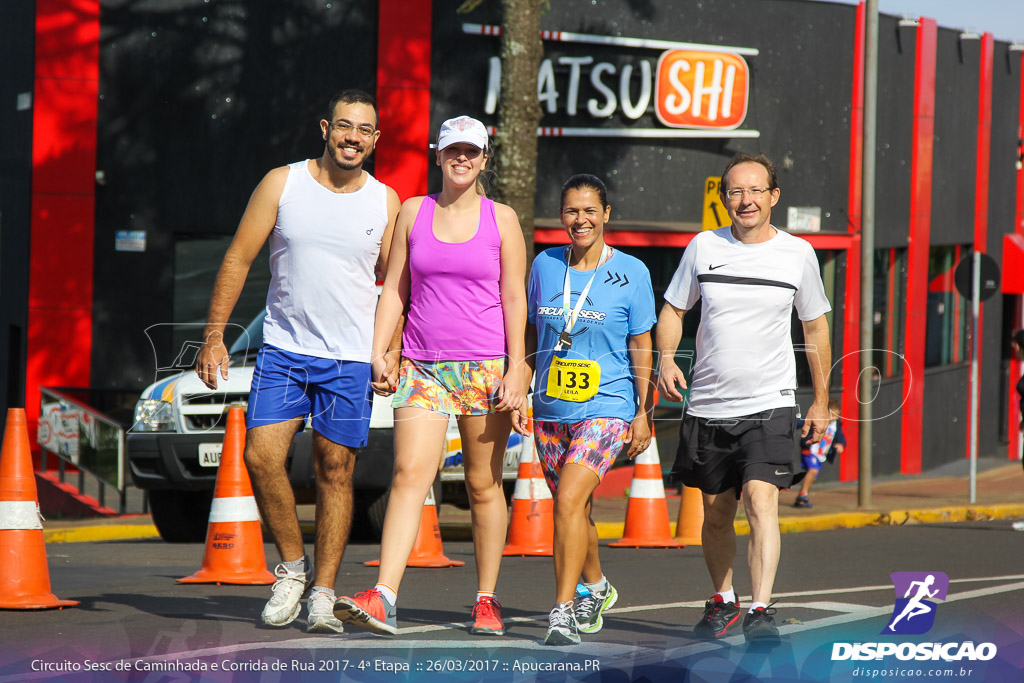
x=68, y=39
x=60, y=269
x=51, y=334
x=403, y=95
x=64, y=136
x=849, y=465
x=63, y=203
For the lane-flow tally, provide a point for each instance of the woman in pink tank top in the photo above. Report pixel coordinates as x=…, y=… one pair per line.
x=459, y=261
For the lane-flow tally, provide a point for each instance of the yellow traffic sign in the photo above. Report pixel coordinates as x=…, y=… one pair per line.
x=715, y=215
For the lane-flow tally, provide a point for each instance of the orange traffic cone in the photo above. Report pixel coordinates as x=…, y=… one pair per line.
x=427, y=551
x=647, y=511
x=24, y=574
x=234, y=539
x=532, y=531
x=691, y=517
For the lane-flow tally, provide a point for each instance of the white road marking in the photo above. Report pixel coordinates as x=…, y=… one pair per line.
x=824, y=606
x=607, y=651
x=867, y=613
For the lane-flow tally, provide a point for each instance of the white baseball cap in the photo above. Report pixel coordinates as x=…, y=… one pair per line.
x=462, y=129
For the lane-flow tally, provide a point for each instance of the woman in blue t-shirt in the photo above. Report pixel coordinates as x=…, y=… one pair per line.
x=590, y=313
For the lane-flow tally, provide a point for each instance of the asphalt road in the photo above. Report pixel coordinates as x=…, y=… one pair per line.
x=136, y=623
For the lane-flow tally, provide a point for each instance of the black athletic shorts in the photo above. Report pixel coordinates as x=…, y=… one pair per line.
x=718, y=454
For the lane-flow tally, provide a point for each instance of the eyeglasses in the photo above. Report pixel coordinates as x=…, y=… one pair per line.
x=754, y=193
x=345, y=127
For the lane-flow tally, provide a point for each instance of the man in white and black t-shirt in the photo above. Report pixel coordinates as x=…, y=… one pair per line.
x=738, y=433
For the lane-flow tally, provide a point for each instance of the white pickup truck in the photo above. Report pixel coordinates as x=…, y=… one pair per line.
x=173, y=450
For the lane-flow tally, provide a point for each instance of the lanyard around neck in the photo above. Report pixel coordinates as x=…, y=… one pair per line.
x=568, y=314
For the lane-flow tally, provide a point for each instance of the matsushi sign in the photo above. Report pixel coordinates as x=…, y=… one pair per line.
x=694, y=90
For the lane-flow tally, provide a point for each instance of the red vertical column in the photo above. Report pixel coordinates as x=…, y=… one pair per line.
x=917, y=251
x=1019, y=214
x=403, y=95
x=1015, y=363
x=63, y=186
x=982, y=160
x=849, y=463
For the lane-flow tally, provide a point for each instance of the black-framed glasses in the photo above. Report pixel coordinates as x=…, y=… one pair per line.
x=736, y=194
x=344, y=127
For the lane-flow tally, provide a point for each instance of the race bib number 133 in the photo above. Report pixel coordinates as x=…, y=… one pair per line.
x=573, y=380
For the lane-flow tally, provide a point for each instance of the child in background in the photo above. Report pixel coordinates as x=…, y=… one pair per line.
x=813, y=456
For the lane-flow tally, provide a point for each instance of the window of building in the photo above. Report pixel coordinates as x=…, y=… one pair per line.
x=889, y=298
x=827, y=262
x=948, y=314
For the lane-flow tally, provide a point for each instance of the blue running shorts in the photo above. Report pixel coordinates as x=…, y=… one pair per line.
x=336, y=393
x=811, y=462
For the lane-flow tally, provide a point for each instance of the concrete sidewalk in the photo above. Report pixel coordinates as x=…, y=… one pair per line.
x=938, y=496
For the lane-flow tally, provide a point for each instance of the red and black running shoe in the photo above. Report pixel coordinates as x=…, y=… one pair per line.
x=718, y=617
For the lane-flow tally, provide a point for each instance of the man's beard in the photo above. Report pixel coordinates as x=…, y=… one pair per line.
x=345, y=164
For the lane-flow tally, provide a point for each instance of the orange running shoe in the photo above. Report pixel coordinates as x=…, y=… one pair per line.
x=369, y=610
x=487, y=618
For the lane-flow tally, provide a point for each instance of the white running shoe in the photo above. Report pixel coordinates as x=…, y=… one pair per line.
x=590, y=606
x=562, y=626
x=283, y=606
x=321, y=617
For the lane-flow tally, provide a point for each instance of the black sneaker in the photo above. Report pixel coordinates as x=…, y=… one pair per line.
x=802, y=502
x=759, y=625
x=718, y=617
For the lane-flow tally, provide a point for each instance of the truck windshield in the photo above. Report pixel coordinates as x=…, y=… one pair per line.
x=251, y=339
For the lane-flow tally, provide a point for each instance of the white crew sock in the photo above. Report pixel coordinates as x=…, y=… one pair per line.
x=388, y=592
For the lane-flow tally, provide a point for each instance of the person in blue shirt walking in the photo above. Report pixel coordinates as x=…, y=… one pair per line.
x=590, y=310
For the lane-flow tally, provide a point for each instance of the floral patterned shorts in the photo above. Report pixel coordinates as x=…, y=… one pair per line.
x=592, y=443
x=453, y=387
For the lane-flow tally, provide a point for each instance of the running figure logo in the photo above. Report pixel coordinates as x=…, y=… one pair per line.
x=914, y=613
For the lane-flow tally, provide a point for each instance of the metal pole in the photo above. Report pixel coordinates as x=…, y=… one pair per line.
x=975, y=310
x=865, y=391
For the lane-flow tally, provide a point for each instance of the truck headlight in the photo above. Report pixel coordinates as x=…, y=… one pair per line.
x=153, y=415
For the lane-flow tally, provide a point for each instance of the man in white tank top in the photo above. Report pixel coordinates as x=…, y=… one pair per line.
x=327, y=220
x=738, y=433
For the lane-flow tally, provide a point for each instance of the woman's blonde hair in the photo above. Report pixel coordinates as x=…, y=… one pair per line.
x=486, y=179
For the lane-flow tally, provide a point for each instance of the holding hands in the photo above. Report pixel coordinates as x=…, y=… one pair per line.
x=384, y=371
x=512, y=393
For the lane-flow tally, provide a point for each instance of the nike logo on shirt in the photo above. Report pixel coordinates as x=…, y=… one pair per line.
x=721, y=265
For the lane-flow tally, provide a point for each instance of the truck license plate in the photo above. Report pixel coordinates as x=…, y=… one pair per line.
x=512, y=458
x=209, y=454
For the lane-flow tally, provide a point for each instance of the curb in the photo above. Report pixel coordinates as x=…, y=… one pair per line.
x=856, y=520
x=613, y=530
x=105, y=532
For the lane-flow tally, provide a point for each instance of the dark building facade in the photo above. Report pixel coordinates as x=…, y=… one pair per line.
x=171, y=111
